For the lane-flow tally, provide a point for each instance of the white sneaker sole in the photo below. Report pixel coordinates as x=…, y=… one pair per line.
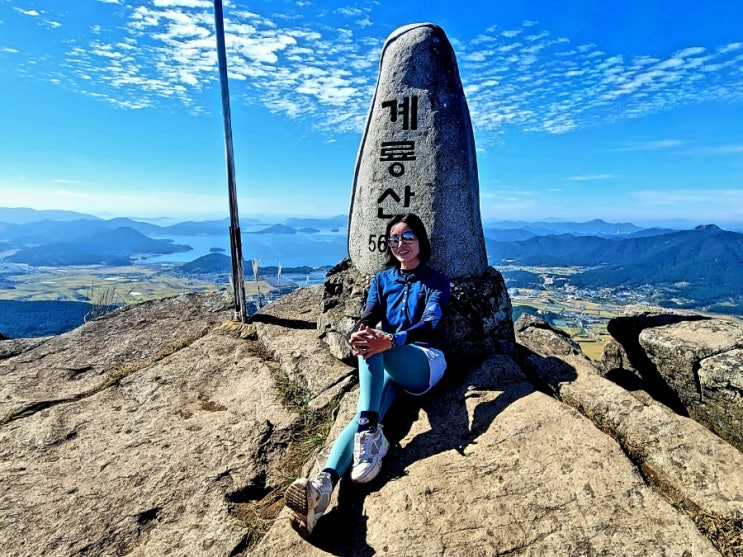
x=296, y=499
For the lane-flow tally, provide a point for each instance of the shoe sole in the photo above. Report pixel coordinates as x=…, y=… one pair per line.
x=295, y=499
x=369, y=477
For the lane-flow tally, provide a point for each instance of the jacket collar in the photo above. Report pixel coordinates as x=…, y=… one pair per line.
x=406, y=276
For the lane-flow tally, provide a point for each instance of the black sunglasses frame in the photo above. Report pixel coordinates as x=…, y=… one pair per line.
x=407, y=238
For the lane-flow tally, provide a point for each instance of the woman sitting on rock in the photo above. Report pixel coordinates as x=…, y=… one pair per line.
x=407, y=300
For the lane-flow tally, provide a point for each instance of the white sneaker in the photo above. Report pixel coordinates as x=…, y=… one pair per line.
x=369, y=448
x=308, y=500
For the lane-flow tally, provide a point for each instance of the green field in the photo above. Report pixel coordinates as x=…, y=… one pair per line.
x=125, y=285
x=584, y=321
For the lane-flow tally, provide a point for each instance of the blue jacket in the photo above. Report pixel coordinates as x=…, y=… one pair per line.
x=409, y=304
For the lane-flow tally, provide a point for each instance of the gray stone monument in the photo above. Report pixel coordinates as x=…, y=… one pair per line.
x=417, y=155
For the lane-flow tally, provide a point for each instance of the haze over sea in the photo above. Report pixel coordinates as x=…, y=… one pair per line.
x=311, y=249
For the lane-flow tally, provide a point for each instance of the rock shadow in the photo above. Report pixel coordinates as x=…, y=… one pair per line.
x=343, y=530
x=626, y=331
x=283, y=322
x=459, y=410
x=547, y=373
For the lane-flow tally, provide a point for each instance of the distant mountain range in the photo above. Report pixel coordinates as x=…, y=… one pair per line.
x=104, y=247
x=701, y=267
x=22, y=215
x=519, y=230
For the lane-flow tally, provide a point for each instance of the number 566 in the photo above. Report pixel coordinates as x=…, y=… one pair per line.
x=377, y=242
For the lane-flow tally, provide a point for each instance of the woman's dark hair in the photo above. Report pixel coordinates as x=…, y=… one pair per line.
x=416, y=225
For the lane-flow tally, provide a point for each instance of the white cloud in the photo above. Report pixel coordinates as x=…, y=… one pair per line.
x=183, y=3
x=349, y=11
x=591, y=177
x=654, y=145
x=730, y=47
x=32, y=13
x=538, y=37
x=691, y=51
x=519, y=77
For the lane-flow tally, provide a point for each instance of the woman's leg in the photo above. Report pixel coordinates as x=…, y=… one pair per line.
x=405, y=367
x=371, y=382
x=408, y=367
x=380, y=378
x=374, y=395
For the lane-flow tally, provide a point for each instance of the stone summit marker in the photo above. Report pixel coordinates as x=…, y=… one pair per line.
x=417, y=155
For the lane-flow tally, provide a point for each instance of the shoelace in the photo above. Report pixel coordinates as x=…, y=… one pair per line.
x=362, y=446
x=322, y=483
x=317, y=462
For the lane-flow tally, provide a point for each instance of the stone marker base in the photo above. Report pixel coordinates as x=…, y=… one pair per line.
x=479, y=321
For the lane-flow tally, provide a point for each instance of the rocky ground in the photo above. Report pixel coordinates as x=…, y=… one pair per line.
x=165, y=428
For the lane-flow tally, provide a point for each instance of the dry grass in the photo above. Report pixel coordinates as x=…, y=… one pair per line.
x=258, y=516
x=115, y=376
x=310, y=430
x=236, y=329
x=726, y=534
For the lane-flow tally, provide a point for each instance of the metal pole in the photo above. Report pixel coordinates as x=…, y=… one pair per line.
x=238, y=280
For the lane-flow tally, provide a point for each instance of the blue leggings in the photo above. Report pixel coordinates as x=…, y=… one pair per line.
x=380, y=378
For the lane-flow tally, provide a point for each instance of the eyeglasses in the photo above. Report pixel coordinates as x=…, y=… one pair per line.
x=407, y=238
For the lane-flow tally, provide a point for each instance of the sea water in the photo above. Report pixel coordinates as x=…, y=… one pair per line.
x=311, y=249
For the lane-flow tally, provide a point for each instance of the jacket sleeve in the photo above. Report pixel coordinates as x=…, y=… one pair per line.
x=373, y=310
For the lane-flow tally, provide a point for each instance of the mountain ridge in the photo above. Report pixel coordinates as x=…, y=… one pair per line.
x=108, y=247
x=702, y=266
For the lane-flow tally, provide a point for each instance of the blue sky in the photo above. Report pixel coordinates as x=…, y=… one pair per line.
x=626, y=111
